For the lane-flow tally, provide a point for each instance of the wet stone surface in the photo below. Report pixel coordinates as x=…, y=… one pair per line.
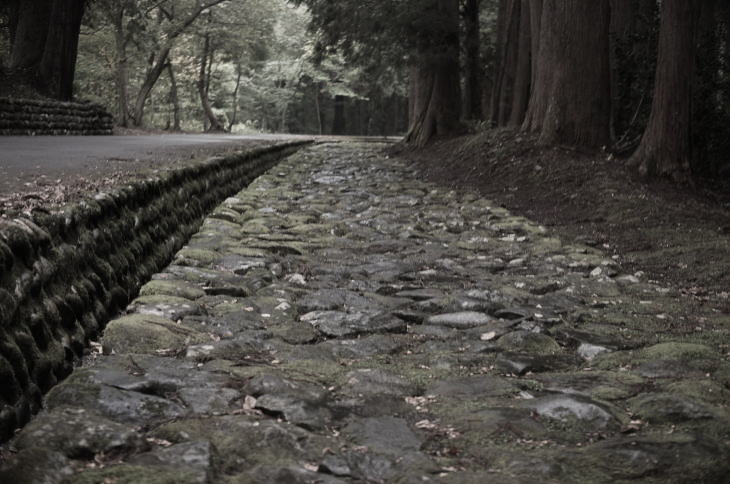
x=340, y=321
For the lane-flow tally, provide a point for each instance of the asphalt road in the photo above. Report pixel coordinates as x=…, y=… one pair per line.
x=26, y=161
x=70, y=152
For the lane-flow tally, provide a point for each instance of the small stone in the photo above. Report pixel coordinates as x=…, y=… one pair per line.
x=461, y=320
x=588, y=351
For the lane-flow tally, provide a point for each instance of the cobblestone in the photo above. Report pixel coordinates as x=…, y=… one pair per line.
x=340, y=321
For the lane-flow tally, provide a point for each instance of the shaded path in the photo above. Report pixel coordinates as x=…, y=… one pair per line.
x=338, y=321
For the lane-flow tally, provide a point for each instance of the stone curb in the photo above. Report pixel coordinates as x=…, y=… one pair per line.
x=63, y=275
x=31, y=117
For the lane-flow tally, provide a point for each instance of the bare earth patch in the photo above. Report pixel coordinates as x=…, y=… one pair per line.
x=677, y=236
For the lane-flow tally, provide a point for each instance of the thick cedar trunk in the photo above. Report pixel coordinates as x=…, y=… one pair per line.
x=437, y=99
x=570, y=102
x=412, y=91
x=472, y=62
x=507, y=59
x=535, y=22
x=174, y=98
x=58, y=64
x=523, y=72
x=13, y=14
x=665, y=148
x=338, y=121
x=30, y=34
x=203, y=81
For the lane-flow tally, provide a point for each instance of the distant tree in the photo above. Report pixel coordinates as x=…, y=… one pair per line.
x=422, y=33
x=666, y=148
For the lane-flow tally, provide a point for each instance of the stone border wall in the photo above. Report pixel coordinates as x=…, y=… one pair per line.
x=64, y=275
x=21, y=117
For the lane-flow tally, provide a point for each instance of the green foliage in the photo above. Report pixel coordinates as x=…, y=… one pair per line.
x=262, y=72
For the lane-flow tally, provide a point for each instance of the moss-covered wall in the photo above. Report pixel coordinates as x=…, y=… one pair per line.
x=45, y=117
x=63, y=275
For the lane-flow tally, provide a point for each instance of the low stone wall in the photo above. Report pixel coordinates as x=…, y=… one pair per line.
x=23, y=117
x=63, y=275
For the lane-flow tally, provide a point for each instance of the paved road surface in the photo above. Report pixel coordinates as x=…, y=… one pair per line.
x=70, y=152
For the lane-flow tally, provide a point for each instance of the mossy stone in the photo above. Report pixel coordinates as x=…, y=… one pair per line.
x=679, y=351
x=137, y=474
x=143, y=333
x=196, y=257
x=171, y=288
x=528, y=342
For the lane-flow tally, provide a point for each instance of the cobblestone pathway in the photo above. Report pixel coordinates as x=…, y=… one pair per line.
x=338, y=321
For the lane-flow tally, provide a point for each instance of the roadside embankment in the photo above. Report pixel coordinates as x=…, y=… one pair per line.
x=46, y=117
x=64, y=274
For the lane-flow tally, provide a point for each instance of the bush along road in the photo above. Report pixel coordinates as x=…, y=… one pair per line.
x=339, y=321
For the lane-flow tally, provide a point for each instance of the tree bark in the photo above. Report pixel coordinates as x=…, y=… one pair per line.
x=151, y=78
x=31, y=30
x=507, y=58
x=234, y=115
x=58, y=64
x=665, y=149
x=535, y=22
x=472, y=63
x=339, y=126
x=523, y=71
x=318, y=108
x=570, y=102
x=122, y=68
x=13, y=14
x=437, y=103
x=215, y=124
x=174, y=98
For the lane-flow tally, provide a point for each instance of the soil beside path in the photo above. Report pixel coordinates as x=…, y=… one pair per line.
x=340, y=321
x=676, y=236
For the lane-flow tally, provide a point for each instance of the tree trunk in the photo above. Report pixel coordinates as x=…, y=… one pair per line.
x=339, y=126
x=521, y=94
x=122, y=75
x=570, y=102
x=437, y=102
x=665, y=148
x=234, y=116
x=412, y=91
x=215, y=124
x=318, y=108
x=472, y=62
x=507, y=58
x=174, y=98
x=13, y=14
x=31, y=31
x=151, y=78
x=535, y=22
x=58, y=64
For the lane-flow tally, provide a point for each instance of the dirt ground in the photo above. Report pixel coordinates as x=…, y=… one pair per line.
x=676, y=236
